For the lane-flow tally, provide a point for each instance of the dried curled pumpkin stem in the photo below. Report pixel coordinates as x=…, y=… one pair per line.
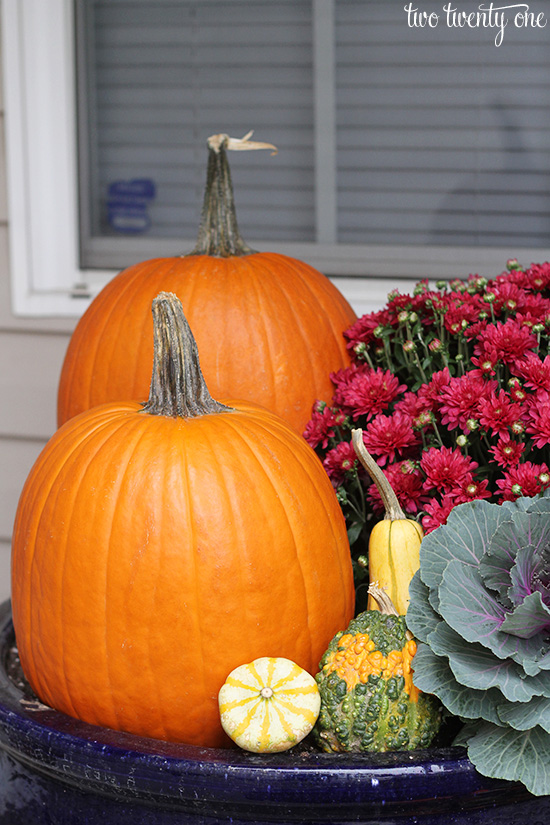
x=178, y=388
x=389, y=499
x=219, y=234
x=215, y=142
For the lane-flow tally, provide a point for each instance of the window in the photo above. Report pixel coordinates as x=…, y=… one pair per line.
x=404, y=152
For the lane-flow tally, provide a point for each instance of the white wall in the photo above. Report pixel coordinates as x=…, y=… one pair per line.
x=31, y=354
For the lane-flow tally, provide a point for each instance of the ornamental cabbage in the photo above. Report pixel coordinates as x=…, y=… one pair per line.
x=480, y=608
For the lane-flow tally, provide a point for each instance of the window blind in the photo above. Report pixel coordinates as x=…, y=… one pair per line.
x=443, y=138
x=163, y=75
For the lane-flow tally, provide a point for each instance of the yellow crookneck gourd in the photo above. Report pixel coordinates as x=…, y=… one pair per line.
x=394, y=544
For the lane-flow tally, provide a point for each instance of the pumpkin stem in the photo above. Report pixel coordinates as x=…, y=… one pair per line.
x=382, y=599
x=219, y=234
x=385, y=604
x=178, y=388
x=389, y=499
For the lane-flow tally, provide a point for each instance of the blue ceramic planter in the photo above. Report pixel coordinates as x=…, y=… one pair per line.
x=55, y=770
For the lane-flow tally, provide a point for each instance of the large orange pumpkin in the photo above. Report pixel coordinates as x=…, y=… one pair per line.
x=268, y=327
x=157, y=548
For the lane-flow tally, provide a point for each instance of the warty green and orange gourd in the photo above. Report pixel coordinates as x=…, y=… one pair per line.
x=369, y=701
x=156, y=548
x=269, y=327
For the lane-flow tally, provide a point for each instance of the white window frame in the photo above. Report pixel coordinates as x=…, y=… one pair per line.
x=41, y=151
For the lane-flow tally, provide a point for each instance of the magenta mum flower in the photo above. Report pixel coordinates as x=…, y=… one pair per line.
x=390, y=436
x=321, y=427
x=339, y=461
x=364, y=391
x=451, y=388
x=525, y=479
x=507, y=452
x=508, y=342
x=460, y=400
x=497, y=413
x=446, y=468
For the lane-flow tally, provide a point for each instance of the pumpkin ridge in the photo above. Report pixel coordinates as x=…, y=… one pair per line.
x=245, y=721
x=155, y=678
x=100, y=319
x=240, y=684
x=266, y=707
x=238, y=703
x=298, y=331
x=39, y=494
x=262, y=299
x=305, y=713
x=316, y=287
x=227, y=481
x=297, y=691
x=107, y=556
x=252, y=669
x=79, y=447
x=270, y=672
x=260, y=449
x=132, y=448
x=187, y=496
x=128, y=296
x=294, y=672
x=284, y=721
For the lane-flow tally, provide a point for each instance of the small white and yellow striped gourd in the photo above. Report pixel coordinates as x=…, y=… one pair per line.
x=269, y=705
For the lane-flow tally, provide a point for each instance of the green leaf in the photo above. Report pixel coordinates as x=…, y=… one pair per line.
x=514, y=552
x=470, y=610
x=432, y=674
x=528, y=618
x=354, y=531
x=505, y=753
x=478, y=668
x=525, y=716
x=465, y=536
x=467, y=606
x=421, y=618
x=540, y=504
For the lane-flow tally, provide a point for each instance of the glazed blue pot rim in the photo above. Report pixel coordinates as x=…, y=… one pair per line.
x=109, y=762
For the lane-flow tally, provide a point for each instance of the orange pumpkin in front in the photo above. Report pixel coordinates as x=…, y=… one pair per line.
x=154, y=552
